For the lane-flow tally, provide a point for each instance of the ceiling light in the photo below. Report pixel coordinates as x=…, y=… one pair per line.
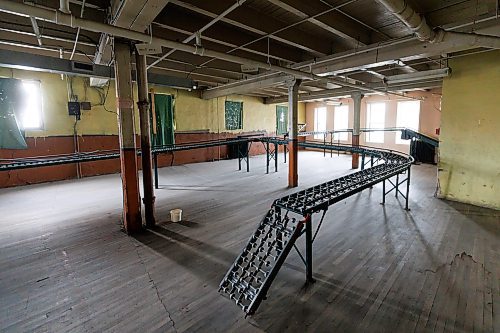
x=418, y=76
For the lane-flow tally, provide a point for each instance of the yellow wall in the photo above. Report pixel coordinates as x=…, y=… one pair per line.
x=430, y=116
x=56, y=120
x=469, y=168
x=191, y=112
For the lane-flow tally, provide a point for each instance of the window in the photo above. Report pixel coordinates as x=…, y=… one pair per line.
x=281, y=119
x=31, y=112
x=408, y=116
x=234, y=115
x=162, y=120
x=341, y=122
x=319, y=122
x=375, y=118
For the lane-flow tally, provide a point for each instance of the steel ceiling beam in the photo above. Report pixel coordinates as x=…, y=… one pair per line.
x=229, y=39
x=329, y=20
x=69, y=20
x=346, y=91
x=134, y=15
x=257, y=25
x=411, y=50
x=248, y=87
x=202, y=29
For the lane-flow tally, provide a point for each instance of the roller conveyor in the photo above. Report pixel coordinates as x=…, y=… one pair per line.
x=249, y=278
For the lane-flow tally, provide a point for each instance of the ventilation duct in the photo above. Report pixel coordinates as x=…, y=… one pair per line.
x=424, y=32
x=64, y=6
x=410, y=18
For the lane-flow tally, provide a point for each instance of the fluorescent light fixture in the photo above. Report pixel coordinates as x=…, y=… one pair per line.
x=418, y=76
x=334, y=103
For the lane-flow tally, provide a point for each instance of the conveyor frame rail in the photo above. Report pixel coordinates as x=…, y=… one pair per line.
x=248, y=284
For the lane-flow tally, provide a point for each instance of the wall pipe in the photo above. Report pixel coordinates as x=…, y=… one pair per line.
x=144, y=116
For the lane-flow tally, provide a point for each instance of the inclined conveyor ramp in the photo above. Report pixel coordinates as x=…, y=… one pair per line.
x=251, y=275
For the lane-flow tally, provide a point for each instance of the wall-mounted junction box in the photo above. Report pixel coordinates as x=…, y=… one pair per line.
x=74, y=109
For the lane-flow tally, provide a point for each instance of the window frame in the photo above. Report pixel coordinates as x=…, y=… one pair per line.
x=375, y=137
x=398, y=139
x=316, y=124
x=344, y=136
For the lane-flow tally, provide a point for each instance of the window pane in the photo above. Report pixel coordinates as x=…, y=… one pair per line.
x=31, y=116
x=407, y=116
x=375, y=118
x=234, y=115
x=319, y=122
x=341, y=122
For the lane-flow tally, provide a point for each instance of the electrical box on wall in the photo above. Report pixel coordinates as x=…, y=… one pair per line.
x=86, y=106
x=74, y=109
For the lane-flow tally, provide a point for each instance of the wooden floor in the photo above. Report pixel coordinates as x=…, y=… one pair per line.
x=65, y=265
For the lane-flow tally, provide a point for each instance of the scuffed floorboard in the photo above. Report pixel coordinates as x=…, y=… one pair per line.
x=66, y=266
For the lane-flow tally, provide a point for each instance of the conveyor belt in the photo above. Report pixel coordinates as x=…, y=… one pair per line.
x=406, y=133
x=249, y=278
x=253, y=272
x=41, y=161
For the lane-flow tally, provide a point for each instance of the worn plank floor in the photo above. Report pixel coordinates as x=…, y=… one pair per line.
x=65, y=265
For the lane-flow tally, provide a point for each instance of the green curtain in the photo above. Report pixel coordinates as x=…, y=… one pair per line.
x=281, y=119
x=11, y=136
x=234, y=115
x=164, y=113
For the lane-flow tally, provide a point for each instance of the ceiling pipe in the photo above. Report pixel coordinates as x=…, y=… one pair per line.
x=410, y=18
x=425, y=33
x=36, y=30
x=57, y=17
x=472, y=40
x=60, y=18
x=64, y=6
x=77, y=33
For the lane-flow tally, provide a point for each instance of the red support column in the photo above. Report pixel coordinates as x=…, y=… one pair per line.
x=132, y=220
x=355, y=156
x=293, y=153
x=293, y=116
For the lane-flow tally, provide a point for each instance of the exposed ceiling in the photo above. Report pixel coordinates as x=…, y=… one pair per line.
x=354, y=41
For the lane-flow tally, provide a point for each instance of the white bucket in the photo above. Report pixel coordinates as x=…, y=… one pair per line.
x=176, y=215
